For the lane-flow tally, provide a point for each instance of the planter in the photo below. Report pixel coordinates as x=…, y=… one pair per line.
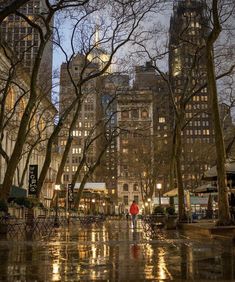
x=159, y=219
x=171, y=221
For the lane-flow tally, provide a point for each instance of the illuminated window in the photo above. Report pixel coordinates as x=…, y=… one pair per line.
x=162, y=120
x=75, y=150
x=74, y=168
x=66, y=168
x=75, y=132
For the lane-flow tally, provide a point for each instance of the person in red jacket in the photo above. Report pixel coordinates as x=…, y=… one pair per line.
x=134, y=210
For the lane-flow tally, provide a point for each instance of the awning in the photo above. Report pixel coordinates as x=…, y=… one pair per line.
x=174, y=192
x=93, y=187
x=18, y=192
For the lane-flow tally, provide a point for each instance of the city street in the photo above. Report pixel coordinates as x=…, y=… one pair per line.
x=113, y=251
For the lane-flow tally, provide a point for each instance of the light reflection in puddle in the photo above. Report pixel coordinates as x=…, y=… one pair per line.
x=112, y=252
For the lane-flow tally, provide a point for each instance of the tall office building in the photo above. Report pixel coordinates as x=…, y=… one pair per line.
x=86, y=121
x=24, y=40
x=187, y=70
x=112, y=85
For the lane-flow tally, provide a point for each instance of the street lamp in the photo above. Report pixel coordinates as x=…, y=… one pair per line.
x=104, y=207
x=146, y=208
x=56, y=222
x=93, y=206
x=159, y=187
x=149, y=200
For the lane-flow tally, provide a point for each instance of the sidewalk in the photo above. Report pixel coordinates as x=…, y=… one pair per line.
x=114, y=251
x=209, y=228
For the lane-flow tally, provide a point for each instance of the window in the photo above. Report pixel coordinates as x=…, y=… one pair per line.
x=63, y=142
x=66, y=177
x=66, y=168
x=125, y=114
x=135, y=113
x=75, y=133
x=75, y=150
x=125, y=187
x=144, y=114
x=124, y=141
x=136, y=199
x=125, y=200
x=161, y=120
x=135, y=187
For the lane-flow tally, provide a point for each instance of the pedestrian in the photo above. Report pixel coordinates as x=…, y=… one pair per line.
x=134, y=210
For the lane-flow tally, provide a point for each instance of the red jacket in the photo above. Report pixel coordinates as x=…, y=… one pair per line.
x=134, y=209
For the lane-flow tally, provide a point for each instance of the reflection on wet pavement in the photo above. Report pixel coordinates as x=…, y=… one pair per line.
x=114, y=251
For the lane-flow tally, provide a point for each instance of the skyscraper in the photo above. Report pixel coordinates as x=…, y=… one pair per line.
x=187, y=70
x=86, y=121
x=24, y=41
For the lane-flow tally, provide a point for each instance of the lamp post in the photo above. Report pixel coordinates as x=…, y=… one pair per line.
x=149, y=200
x=146, y=207
x=159, y=187
x=104, y=211
x=56, y=222
x=93, y=206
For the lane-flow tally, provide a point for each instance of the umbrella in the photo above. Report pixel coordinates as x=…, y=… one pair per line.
x=211, y=174
x=172, y=193
x=205, y=189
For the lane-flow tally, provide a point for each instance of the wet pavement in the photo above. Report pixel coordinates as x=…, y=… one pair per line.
x=113, y=251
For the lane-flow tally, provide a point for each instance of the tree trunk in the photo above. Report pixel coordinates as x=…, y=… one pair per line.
x=224, y=215
x=181, y=205
x=223, y=205
x=49, y=148
x=63, y=160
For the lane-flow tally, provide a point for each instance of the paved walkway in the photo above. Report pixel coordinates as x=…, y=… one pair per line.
x=113, y=251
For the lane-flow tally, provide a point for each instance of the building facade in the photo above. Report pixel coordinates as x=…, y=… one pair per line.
x=146, y=78
x=14, y=93
x=187, y=71
x=85, y=128
x=25, y=41
x=135, y=147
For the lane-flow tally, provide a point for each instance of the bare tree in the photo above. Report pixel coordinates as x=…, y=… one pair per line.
x=216, y=11
x=9, y=7
x=121, y=26
x=120, y=31
x=192, y=85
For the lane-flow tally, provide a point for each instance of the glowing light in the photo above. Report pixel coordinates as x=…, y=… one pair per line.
x=56, y=271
